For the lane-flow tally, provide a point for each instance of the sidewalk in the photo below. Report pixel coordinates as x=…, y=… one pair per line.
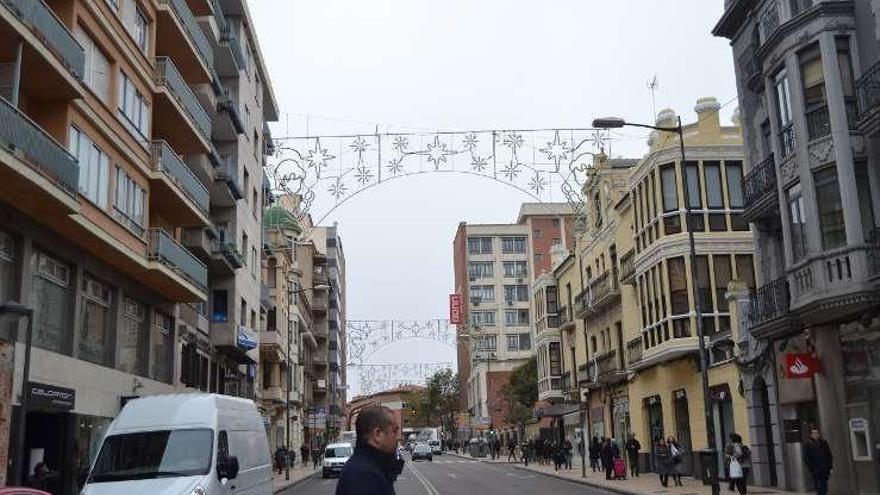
x=646, y=483
x=298, y=474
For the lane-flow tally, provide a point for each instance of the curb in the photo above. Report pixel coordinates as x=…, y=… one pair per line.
x=295, y=482
x=579, y=481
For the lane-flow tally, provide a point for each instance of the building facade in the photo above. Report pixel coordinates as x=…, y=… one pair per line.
x=108, y=160
x=397, y=399
x=807, y=74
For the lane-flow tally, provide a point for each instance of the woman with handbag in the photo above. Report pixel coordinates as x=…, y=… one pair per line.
x=675, y=456
x=737, y=457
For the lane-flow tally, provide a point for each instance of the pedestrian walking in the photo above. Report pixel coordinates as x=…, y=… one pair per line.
x=594, y=453
x=524, y=448
x=567, y=448
x=558, y=456
x=373, y=467
x=632, y=448
x=280, y=459
x=511, y=452
x=675, y=457
x=291, y=457
x=304, y=454
x=316, y=457
x=737, y=457
x=661, y=461
x=819, y=461
x=606, y=454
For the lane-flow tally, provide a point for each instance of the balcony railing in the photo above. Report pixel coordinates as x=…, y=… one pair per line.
x=759, y=181
x=228, y=173
x=750, y=66
x=229, y=103
x=628, y=267
x=874, y=250
x=634, y=349
x=219, y=16
x=818, y=122
x=229, y=250
x=769, y=22
x=769, y=301
x=195, y=33
x=607, y=363
x=168, y=251
x=167, y=75
x=165, y=160
x=19, y=132
x=851, y=106
x=46, y=25
x=868, y=89
x=227, y=35
x=787, y=140
x=564, y=315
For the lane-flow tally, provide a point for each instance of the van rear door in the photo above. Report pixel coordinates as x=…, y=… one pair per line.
x=254, y=471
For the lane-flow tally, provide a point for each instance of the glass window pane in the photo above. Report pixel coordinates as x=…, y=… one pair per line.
x=670, y=191
x=695, y=198
x=734, y=184
x=830, y=208
x=714, y=195
x=678, y=285
x=721, y=266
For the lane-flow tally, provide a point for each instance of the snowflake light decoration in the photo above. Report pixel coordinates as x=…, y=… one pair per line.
x=359, y=145
x=437, y=152
x=400, y=143
x=513, y=141
x=556, y=150
x=364, y=175
x=470, y=141
x=479, y=164
x=395, y=166
x=338, y=189
x=511, y=170
x=538, y=184
x=599, y=138
x=318, y=157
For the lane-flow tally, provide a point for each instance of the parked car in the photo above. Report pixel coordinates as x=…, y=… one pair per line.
x=335, y=456
x=166, y=444
x=436, y=447
x=422, y=451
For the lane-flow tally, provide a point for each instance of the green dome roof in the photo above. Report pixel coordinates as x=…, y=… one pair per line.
x=276, y=217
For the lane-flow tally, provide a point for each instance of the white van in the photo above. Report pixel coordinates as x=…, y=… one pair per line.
x=335, y=456
x=183, y=444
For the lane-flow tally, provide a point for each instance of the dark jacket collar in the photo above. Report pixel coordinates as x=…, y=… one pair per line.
x=387, y=463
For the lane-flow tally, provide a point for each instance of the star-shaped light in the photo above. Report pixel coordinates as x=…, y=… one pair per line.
x=511, y=170
x=338, y=189
x=437, y=152
x=556, y=150
x=513, y=141
x=538, y=184
x=363, y=175
x=479, y=164
x=318, y=157
x=470, y=141
x=395, y=166
x=400, y=143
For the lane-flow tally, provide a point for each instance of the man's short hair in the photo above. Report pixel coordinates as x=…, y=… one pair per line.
x=370, y=418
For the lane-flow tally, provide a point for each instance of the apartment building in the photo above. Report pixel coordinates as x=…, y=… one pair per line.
x=807, y=74
x=495, y=266
x=629, y=333
x=107, y=159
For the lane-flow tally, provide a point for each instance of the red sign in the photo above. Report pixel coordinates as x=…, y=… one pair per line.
x=455, y=309
x=801, y=365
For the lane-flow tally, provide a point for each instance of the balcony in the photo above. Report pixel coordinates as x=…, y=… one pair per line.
x=628, y=268
x=750, y=69
x=274, y=394
x=179, y=36
x=230, y=39
x=787, y=140
x=235, y=341
x=177, y=193
x=320, y=278
x=550, y=388
x=225, y=190
x=634, y=351
x=586, y=375
x=37, y=174
x=868, y=98
x=319, y=302
x=200, y=241
x=178, y=116
x=874, y=251
x=759, y=190
x=51, y=53
x=818, y=122
x=669, y=350
x=566, y=322
x=164, y=249
x=609, y=369
x=320, y=329
x=267, y=138
x=194, y=318
x=225, y=257
x=599, y=295
x=228, y=124
x=273, y=347
x=767, y=304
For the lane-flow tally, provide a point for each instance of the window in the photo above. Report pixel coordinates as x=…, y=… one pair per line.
x=483, y=318
x=254, y=261
x=95, y=339
x=597, y=207
x=519, y=342
x=162, y=347
x=714, y=196
x=518, y=293
x=863, y=188
x=8, y=267
x=797, y=223
x=94, y=167
x=242, y=316
x=143, y=455
x=513, y=245
x=255, y=203
x=733, y=172
x=555, y=353
x=830, y=208
x=139, y=29
x=479, y=245
x=256, y=142
x=678, y=290
x=96, y=72
x=482, y=293
x=247, y=184
x=485, y=343
x=798, y=6
x=745, y=270
x=131, y=336
x=51, y=300
x=538, y=233
x=481, y=269
x=515, y=269
x=670, y=191
x=244, y=246
x=704, y=283
x=721, y=266
x=695, y=196
x=128, y=205
x=133, y=108
x=220, y=303
x=815, y=100
x=516, y=317
x=783, y=114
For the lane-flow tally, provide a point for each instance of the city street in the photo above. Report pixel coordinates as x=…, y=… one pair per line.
x=452, y=475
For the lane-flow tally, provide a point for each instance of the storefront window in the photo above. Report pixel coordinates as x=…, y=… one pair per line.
x=131, y=336
x=51, y=300
x=161, y=347
x=95, y=329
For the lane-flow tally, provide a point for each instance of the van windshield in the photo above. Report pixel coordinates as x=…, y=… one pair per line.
x=337, y=452
x=154, y=454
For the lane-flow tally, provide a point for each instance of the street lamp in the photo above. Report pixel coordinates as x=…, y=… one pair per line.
x=18, y=310
x=616, y=123
x=290, y=377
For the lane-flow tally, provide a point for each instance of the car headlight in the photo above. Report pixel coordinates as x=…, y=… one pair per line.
x=198, y=490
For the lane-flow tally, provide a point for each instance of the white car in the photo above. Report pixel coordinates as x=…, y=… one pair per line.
x=335, y=456
x=435, y=447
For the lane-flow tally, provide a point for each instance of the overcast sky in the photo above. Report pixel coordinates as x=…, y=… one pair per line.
x=347, y=66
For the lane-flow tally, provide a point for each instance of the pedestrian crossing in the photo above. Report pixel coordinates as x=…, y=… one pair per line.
x=449, y=461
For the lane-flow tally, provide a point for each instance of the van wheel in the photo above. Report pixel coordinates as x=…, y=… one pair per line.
x=324, y=475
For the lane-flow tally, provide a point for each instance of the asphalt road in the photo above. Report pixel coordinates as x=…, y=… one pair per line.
x=452, y=475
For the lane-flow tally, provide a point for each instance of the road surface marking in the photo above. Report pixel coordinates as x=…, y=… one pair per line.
x=427, y=484
x=453, y=476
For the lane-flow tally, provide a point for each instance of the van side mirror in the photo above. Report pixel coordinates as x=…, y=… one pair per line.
x=227, y=467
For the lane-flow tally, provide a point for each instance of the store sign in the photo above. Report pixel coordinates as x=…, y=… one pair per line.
x=50, y=396
x=455, y=309
x=801, y=365
x=246, y=338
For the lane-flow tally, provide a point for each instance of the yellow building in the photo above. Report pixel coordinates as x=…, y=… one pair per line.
x=627, y=295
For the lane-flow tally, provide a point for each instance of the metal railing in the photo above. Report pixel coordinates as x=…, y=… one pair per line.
x=167, y=75
x=564, y=314
x=749, y=65
x=760, y=180
x=42, y=151
x=868, y=89
x=769, y=301
x=229, y=104
x=769, y=21
x=229, y=174
x=627, y=266
x=874, y=250
x=165, y=160
x=195, y=33
x=229, y=250
x=603, y=286
x=219, y=16
x=46, y=25
x=227, y=35
x=166, y=249
x=634, y=350
x=818, y=122
x=606, y=363
x=787, y=140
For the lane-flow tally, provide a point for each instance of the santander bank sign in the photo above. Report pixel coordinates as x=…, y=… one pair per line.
x=801, y=365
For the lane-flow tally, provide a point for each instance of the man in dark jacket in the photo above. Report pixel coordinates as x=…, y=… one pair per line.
x=819, y=461
x=632, y=448
x=374, y=466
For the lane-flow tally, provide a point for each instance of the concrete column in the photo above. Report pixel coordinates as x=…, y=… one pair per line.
x=843, y=154
x=831, y=398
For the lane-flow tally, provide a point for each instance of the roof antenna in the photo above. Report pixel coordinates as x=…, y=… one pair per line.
x=653, y=86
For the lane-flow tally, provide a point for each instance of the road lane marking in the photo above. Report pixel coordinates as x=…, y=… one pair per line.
x=453, y=476
x=427, y=484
